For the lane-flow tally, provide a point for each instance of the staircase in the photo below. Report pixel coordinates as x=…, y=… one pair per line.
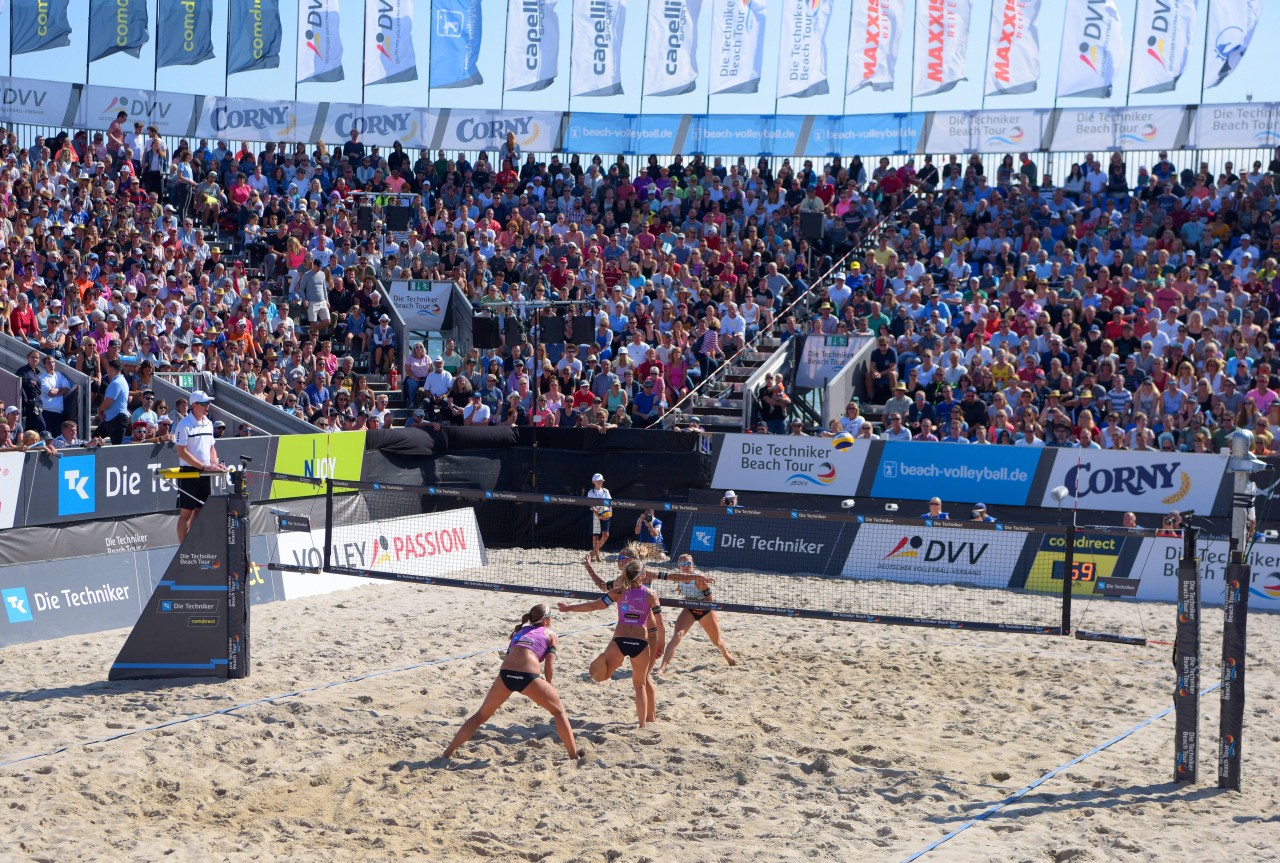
x=718, y=406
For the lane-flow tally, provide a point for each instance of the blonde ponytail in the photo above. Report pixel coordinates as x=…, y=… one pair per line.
x=533, y=616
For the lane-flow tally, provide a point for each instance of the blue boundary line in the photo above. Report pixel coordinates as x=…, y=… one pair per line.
x=1018, y=795
x=458, y=657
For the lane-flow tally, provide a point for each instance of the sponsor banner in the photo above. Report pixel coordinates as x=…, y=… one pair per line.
x=955, y=472
x=737, y=45
x=259, y=45
x=184, y=33
x=671, y=56
x=802, y=57
x=40, y=103
x=764, y=544
x=316, y=456
x=1136, y=481
x=604, y=133
x=10, y=483
x=117, y=26
x=533, y=45
x=388, y=50
x=377, y=125
x=934, y=555
x=456, y=32
x=1096, y=559
x=738, y=135
x=1231, y=27
x=986, y=131
x=795, y=466
x=1126, y=128
x=942, y=37
x=1092, y=39
x=319, y=41
x=1157, y=567
x=256, y=120
x=422, y=304
x=868, y=134
x=1161, y=43
x=170, y=113
x=823, y=356
x=596, y=60
x=38, y=25
x=1236, y=126
x=1013, y=48
x=874, y=37
x=536, y=131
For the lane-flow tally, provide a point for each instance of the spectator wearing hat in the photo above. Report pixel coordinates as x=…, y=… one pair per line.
x=979, y=514
x=434, y=394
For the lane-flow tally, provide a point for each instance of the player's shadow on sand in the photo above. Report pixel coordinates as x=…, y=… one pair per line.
x=1044, y=803
x=103, y=687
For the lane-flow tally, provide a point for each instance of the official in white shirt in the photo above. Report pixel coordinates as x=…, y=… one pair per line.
x=54, y=386
x=194, y=441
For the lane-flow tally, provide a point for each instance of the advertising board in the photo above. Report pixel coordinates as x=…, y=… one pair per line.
x=955, y=472
x=1142, y=482
x=797, y=465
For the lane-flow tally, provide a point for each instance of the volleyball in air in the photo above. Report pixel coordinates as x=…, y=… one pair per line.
x=843, y=441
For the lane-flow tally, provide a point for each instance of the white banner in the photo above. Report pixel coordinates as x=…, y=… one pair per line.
x=802, y=58
x=933, y=555
x=535, y=131
x=170, y=113
x=1231, y=27
x=1161, y=42
x=671, y=53
x=378, y=125
x=986, y=132
x=422, y=304
x=873, y=44
x=1013, y=48
x=319, y=42
x=596, y=63
x=1091, y=44
x=1136, y=481
x=942, y=36
x=1157, y=567
x=41, y=103
x=10, y=482
x=388, y=31
x=533, y=45
x=1236, y=126
x=795, y=465
x=1126, y=128
x=255, y=120
x=737, y=45
x=824, y=356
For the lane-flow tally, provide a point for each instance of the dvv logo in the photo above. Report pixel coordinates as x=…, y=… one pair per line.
x=704, y=539
x=77, y=487
x=16, y=604
x=822, y=474
x=1145, y=135
x=1016, y=136
x=1270, y=587
x=935, y=550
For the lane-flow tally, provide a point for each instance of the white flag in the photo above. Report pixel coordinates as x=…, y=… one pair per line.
x=388, y=33
x=1161, y=42
x=1091, y=42
x=1231, y=27
x=319, y=41
x=533, y=44
x=737, y=45
x=598, y=28
x=942, y=35
x=873, y=44
x=1013, y=51
x=802, y=60
x=671, y=55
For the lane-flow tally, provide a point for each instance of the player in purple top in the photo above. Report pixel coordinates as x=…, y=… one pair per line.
x=635, y=604
x=532, y=644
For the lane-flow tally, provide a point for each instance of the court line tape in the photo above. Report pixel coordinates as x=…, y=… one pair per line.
x=1018, y=795
x=271, y=699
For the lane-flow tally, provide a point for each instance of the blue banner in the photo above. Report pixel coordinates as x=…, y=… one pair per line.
x=598, y=133
x=117, y=26
x=956, y=472
x=257, y=45
x=867, y=134
x=39, y=25
x=455, y=43
x=766, y=135
x=184, y=33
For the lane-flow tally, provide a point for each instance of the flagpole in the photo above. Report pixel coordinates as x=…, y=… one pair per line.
x=155, y=53
x=364, y=47
x=226, y=77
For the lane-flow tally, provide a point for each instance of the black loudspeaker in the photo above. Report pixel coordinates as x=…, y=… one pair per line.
x=364, y=218
x=397, y=218
x=512, y=330
x=484, y=333
x=552, y=330
x=584, y=329
x=811, y=225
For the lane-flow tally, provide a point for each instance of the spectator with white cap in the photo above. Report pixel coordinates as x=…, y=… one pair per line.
x=601, y=514
x=196, y=448
x=434, y=394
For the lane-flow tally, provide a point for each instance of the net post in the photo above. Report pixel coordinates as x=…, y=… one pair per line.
x=1068, y=578
x=237, y=563
x=1186, y=661
x=328, y=521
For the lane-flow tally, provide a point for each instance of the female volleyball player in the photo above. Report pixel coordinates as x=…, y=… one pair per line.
x=695, y=586
x=532, y=643
x=600, y=515
x=643, y=552
x=636, y=603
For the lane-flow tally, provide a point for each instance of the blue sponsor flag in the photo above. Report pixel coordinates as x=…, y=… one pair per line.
x=117, y=26
x=184, y=32
x=455, y=43
x=256, y=34
x=39, y=25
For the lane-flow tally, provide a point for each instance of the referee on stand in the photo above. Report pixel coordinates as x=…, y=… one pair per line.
x=194, y=439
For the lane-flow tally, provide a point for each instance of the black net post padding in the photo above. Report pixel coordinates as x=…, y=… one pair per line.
x=238, y=577
x=1235, y=616
x=1186, y=661
x=1068, y=578
x=328, y=522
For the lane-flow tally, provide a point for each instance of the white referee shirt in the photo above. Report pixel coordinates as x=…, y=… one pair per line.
x=197, y=436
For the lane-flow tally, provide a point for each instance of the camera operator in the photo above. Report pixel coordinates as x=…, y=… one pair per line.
x=979, y=513
x=649, y=529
